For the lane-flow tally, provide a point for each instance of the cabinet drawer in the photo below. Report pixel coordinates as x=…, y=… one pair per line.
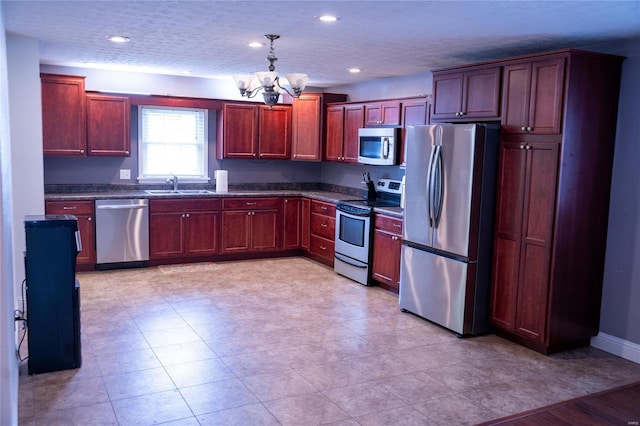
x=389, y=224
x=326, y=209
x=69, y=207
x=184, y=204
x=323, y=225
x=322, y=247
x=250, y=203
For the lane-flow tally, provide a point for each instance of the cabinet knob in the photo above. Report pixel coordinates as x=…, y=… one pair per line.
x=82, y=151
x=286, y=201
x=187, y=214
x=521, y=146
x=254, y=155
x=126, y=152
x=89, y=219
x=528, y=147
x=524, y=129
x=529, y=129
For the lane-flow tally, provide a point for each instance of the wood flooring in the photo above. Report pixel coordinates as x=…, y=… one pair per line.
x=619, y=406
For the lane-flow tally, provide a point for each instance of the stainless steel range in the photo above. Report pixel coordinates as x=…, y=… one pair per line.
x=354, y=230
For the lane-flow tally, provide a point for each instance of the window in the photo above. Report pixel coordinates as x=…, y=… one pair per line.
x=172, y=141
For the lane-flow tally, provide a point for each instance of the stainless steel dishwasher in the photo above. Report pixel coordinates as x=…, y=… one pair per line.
x=122, y=233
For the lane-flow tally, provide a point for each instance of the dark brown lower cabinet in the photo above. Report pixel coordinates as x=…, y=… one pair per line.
x=292, y=223
x=84, y=212
x=183, y=227
x=251, y=225
x=387, y=248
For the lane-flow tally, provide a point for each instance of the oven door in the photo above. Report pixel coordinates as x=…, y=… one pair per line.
x=353, y=233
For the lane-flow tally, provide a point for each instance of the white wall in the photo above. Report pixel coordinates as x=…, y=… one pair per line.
x=25, y=106
x=8, y=363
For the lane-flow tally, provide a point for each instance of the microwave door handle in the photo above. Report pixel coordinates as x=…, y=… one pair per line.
x=385, y=148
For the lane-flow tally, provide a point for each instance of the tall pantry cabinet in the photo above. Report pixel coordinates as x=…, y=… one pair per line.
x=559, y=114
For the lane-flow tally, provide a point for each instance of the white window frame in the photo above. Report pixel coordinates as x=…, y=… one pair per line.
x=204, y=178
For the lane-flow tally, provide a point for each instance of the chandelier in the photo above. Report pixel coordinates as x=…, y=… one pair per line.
x=269, y=80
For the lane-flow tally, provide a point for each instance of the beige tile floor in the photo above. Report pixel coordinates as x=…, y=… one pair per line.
x=287, y=341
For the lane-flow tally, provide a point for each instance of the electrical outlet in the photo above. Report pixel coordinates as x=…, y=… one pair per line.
x=125, y=174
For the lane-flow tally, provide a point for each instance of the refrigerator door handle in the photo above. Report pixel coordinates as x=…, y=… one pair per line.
x=429, y=189
x=438, y=187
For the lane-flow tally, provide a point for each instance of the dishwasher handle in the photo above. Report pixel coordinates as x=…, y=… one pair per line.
x=122, y=207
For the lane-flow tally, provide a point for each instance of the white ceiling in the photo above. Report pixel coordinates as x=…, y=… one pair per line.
x=384, y=38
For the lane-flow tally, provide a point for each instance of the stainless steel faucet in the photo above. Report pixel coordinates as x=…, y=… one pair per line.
x=174, y=181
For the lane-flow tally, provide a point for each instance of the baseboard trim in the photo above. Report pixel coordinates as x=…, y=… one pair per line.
x=617, y=346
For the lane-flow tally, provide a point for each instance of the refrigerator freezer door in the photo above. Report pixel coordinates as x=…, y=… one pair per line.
x=420, y=151
x=458, y=152
x=434, y=287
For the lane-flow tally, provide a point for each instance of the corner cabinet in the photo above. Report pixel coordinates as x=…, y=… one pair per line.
x=466, y=95
x=308, y=131
x=64, y=125
x=108, y=125
x=85, y=213
x=343, y=122
x=254, y=131
x=553, y=198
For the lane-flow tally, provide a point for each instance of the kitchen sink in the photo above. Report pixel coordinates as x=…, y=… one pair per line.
x=195, y=191
x=161, y=191
x=178, y=192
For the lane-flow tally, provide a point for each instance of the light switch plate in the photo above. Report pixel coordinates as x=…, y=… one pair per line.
x=125, y=174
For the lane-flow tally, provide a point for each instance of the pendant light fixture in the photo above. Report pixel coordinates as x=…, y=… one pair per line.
x=269, y=80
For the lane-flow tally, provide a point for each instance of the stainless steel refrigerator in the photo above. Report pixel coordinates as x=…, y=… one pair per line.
x=450, y=182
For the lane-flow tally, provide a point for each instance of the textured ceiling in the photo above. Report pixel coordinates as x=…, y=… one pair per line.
x=384, y=38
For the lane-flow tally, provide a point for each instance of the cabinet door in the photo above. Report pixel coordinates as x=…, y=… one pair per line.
x=306, y=142
x=353, y=120
x=166, y=235
x=201, y=233
x=413, y=113
x=447, y=96
x=274, y=134
x=481, y=94
x=292, y=223
x=236, y=231
x=386, y=263
x=547, y=86
x=533, y=97
x=240, y=131
x=372, y=114
x=537, y=232
x=264, y=230
x=88, y=237
x=64, y=131
x=516, y=97
x=305, y=213
x=508, y=233
x=335, y=133
x=108, y=132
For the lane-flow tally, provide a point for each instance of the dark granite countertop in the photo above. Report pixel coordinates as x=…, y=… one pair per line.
x=331, y=194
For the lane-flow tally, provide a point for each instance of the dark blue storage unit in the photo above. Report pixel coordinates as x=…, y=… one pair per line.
x=52, y=292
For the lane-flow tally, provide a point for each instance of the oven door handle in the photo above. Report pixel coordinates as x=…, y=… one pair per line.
x=345, y=259
x=353, y=212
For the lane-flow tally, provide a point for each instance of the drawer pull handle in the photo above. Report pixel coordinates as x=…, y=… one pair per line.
x=323, y=207
x=397, y=225
x=69, y=207
x=323, y=248
x=251, y=203
x=324, y=225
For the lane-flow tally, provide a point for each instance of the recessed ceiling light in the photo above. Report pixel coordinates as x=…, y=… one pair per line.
x=118, y=39
x=255, y=44
x=354, y=70
x=327, y=18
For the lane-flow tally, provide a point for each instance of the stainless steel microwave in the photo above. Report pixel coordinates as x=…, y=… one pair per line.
x=378, y=145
